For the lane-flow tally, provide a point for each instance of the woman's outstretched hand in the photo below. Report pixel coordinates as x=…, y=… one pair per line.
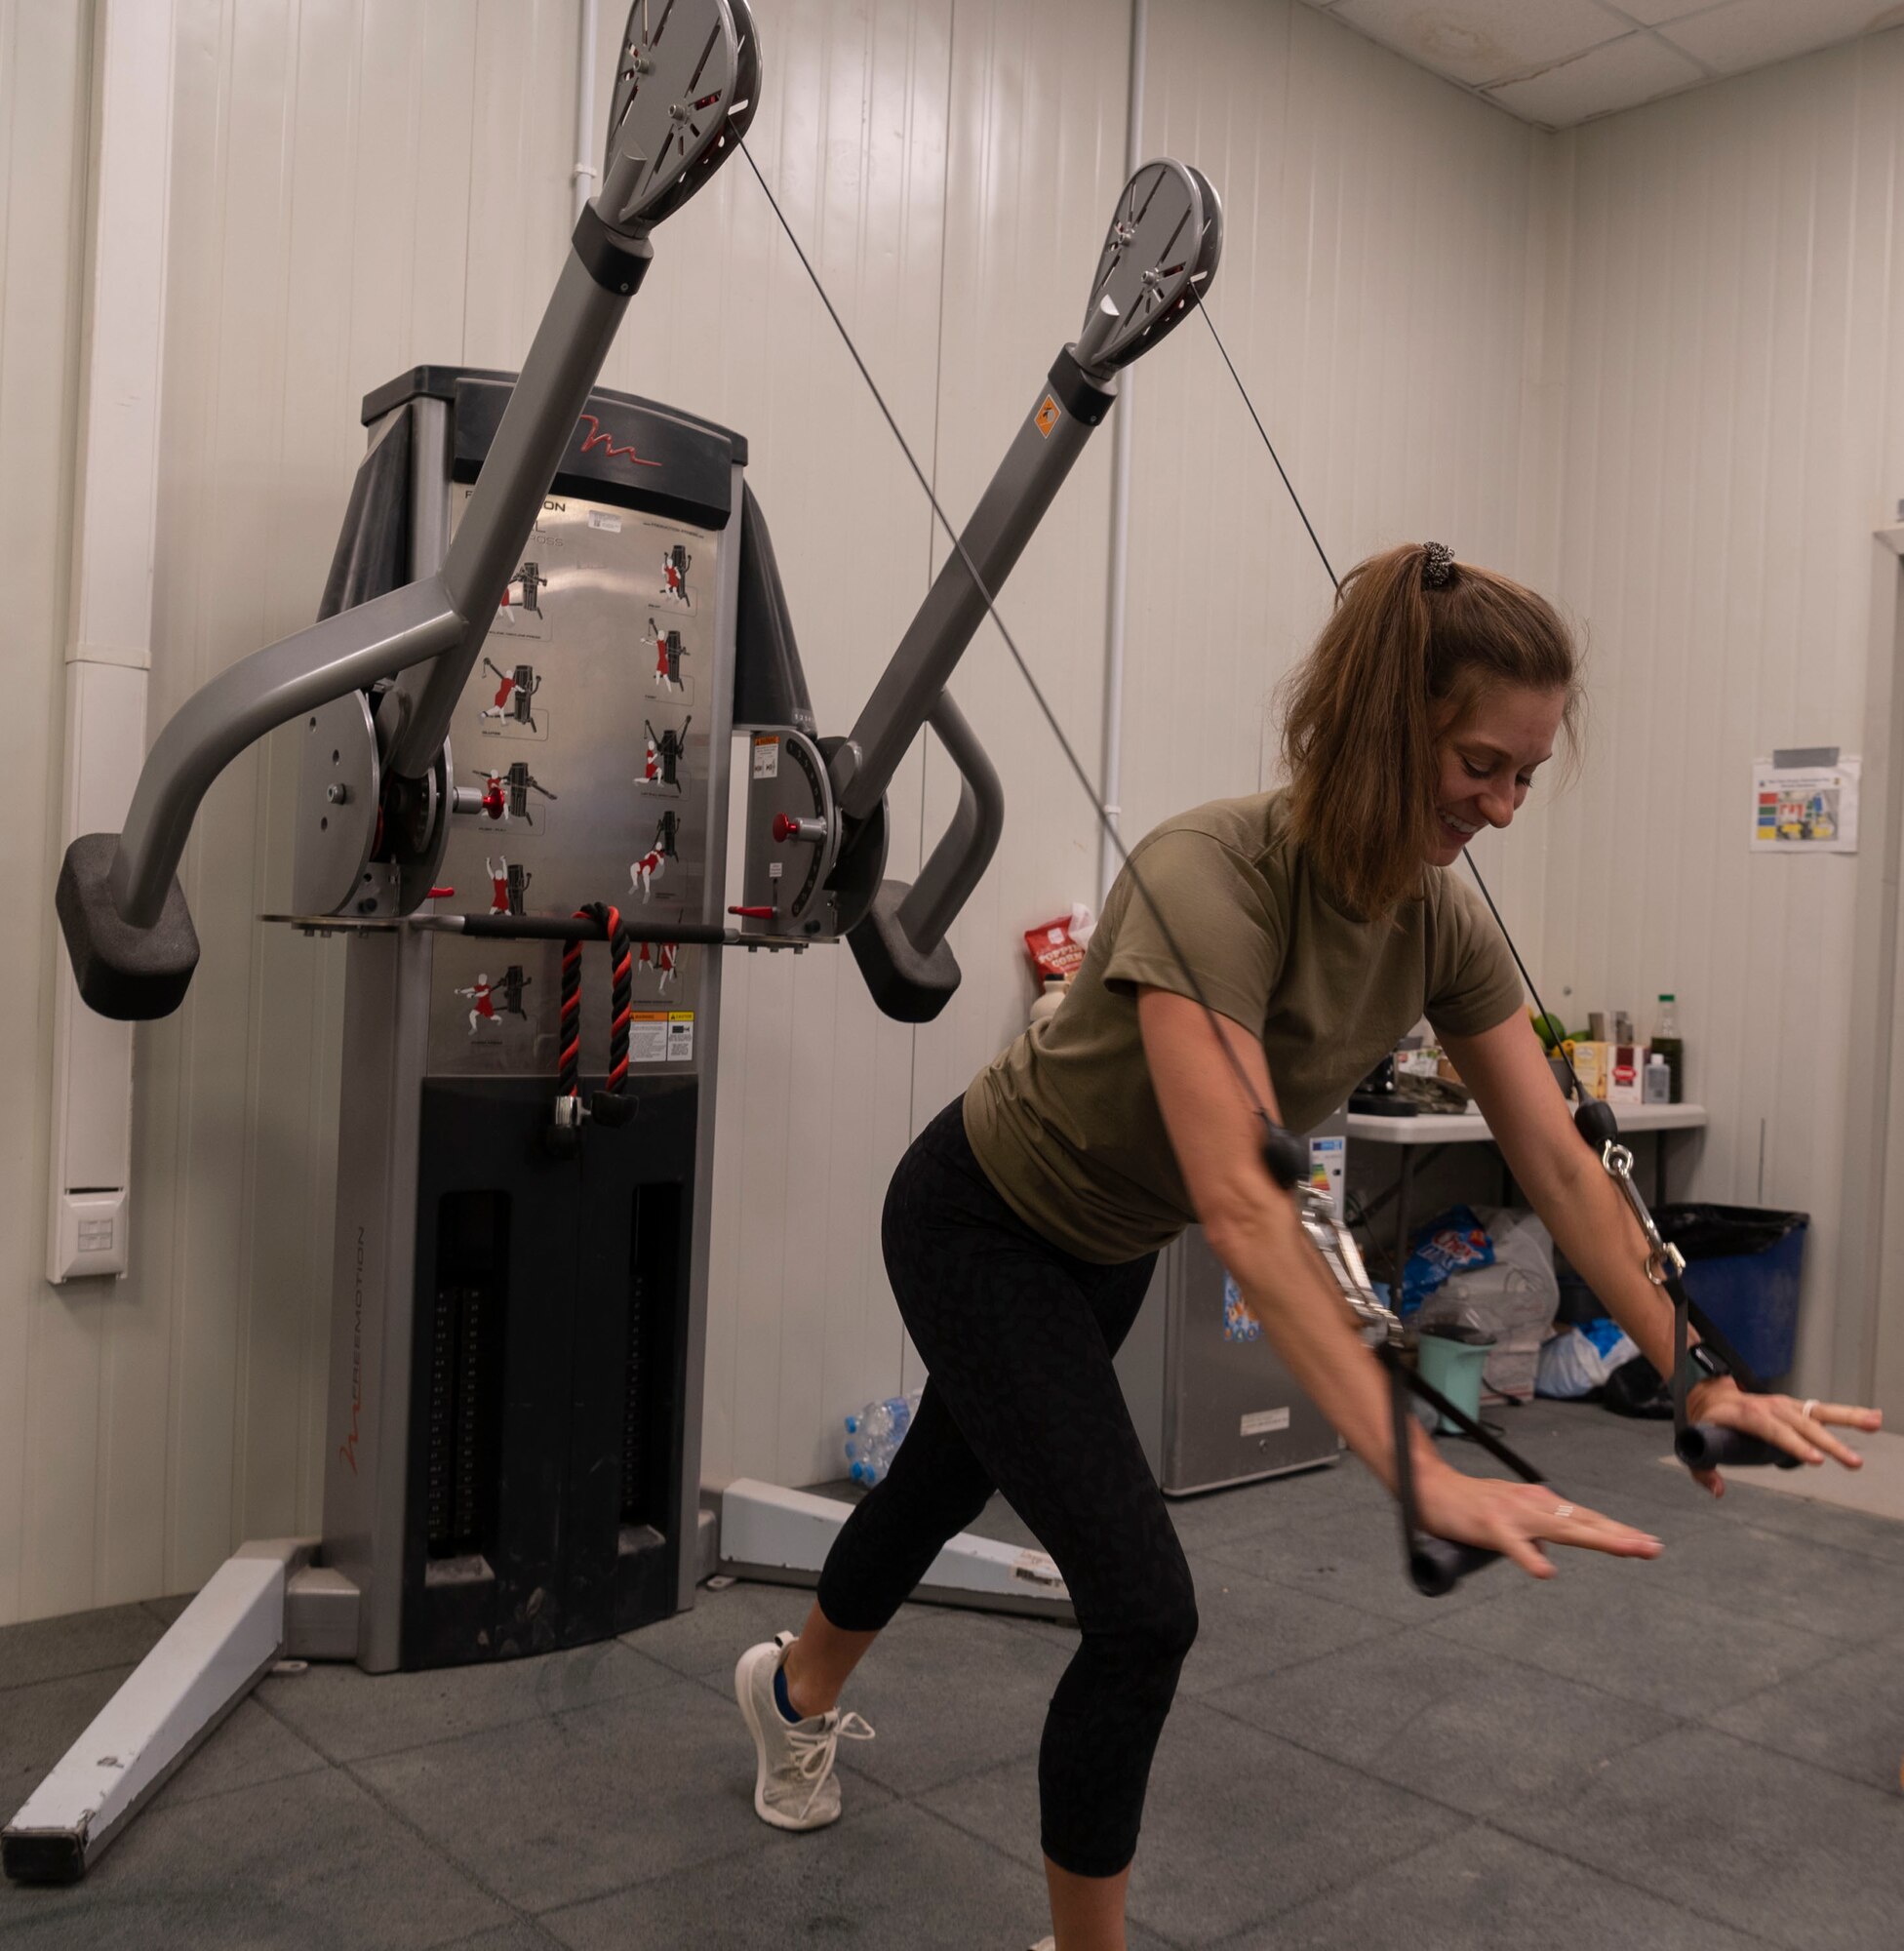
x=1801, y=1428
x=1518, y=1519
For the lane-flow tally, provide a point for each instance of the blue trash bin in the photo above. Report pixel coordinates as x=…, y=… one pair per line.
x=1743, y=1265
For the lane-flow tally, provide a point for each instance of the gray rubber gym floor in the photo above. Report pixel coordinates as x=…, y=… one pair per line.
x=1702, y=1752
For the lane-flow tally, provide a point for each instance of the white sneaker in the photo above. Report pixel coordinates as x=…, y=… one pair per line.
x=794, y=1784
x=1046, y=1944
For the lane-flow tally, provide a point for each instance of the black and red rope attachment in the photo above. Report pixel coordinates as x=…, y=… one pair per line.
x=609, y=1105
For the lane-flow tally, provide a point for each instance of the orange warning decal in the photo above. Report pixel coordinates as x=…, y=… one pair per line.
x=1047, y=417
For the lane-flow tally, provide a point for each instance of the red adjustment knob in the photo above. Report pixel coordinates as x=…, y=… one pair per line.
x=441, y=893
x=783, y=827
x=753, y=914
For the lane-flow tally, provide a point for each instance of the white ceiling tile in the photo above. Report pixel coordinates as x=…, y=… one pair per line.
x=1479, y=41
x=1655, y=13
x=1752, y=33
x=1618, y=75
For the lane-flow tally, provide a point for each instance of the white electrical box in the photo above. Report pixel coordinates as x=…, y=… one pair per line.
x=89, y=1235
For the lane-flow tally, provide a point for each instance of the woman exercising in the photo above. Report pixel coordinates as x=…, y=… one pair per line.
x=1322, y=922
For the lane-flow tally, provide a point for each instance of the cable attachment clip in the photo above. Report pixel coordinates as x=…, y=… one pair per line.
x=1664, y=1261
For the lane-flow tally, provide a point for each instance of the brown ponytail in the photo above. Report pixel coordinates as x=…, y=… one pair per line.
x=1362, y=712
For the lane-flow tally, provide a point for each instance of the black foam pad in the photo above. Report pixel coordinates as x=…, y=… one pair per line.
x=909, y=987
x=1705, y=1445
x=1438, y=1566
x=131, y=973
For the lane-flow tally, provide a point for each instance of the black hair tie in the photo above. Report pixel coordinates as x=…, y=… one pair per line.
x=1437, y=564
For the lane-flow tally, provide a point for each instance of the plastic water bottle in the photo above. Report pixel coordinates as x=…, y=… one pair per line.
x=1667, y=1043
x=875, y=1433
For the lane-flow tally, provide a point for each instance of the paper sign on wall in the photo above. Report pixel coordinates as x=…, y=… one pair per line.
x=1804, y=808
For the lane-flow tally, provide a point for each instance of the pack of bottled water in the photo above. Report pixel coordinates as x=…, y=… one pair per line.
x=875, y=1432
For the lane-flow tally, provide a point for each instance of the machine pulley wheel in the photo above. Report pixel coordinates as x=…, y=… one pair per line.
x=685, y=88
x=416, y=830
x=1159, y=257
x=340, y=792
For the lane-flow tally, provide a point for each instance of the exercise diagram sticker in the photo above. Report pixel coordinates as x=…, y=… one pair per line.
x=1805, y=809
x=1047, y=417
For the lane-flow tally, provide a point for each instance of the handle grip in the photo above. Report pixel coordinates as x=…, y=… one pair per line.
x=1705, y=1445
x=131, y=973
x=1438, y=1565
x=1285, y=1157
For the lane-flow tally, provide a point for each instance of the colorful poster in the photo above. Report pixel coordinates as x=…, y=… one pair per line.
x=1804, y=808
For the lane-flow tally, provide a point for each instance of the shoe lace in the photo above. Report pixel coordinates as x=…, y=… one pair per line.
x=815, y=1753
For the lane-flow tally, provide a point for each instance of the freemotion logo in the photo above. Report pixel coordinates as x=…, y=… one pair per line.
x=599, y=436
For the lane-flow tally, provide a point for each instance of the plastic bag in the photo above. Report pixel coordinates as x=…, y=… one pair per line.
x=1575, y=1363
x=1454, y=1243
x=1513, y=1302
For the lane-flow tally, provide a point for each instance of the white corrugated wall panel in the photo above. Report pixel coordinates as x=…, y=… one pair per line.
x=49, y=1340
x=1734, y=421
x=1038, y=139
x=1376, y=298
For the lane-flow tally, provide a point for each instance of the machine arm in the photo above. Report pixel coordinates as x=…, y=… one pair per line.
x=685, y=91
x=1159, y=256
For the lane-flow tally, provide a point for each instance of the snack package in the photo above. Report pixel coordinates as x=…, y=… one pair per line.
x=1454, y=1243
x=1057, y=948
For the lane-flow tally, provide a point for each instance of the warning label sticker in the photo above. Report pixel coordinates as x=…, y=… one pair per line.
x=1265, y=1423
x=766, y=758
x=647, y=1036
x=1034, y=1568
x=1047, y=417
x=681, y=1036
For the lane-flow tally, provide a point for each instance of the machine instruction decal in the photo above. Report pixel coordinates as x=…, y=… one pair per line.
x=681, y=1036
x=1047, y=417
x=515, y=694
x=766, y=758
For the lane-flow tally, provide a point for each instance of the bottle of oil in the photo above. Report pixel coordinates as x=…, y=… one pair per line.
x=1666, y=1041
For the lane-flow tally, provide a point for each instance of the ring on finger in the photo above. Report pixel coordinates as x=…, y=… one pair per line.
x=1810, y=1408
x=1562, y=1510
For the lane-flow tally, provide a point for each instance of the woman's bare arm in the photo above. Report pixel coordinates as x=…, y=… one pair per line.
x=1253, y=1229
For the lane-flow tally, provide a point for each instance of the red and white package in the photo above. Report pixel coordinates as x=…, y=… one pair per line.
x=1057, y=948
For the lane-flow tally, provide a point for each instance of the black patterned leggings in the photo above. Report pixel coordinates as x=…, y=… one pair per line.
x=1018, y=1337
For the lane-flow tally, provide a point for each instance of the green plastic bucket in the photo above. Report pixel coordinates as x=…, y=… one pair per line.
x=1453, y=1365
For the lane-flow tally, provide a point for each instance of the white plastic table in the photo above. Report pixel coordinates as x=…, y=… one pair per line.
x=1456, y=1128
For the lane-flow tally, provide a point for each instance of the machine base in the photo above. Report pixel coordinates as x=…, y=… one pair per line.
x=218, y=1649
x=782, y=1536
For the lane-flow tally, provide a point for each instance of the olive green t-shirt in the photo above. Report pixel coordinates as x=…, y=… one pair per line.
x=1065, y=1121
